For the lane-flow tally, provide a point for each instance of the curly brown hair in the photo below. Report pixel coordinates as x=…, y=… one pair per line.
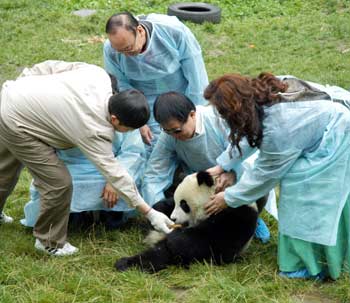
x=239, y=100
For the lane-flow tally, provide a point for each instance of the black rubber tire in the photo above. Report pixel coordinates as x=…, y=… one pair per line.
x=197, y=12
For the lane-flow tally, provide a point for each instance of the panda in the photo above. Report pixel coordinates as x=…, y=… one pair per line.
x=219, y=238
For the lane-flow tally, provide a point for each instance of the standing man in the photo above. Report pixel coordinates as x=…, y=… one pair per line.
x=155, y=55
x=58, y=105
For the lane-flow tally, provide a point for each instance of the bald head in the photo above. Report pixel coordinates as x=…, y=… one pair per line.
x=124, y=20
x=125, y=34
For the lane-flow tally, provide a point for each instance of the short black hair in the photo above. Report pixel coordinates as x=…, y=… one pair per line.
x=122, y=20
x=172, y=105
x=130, y=107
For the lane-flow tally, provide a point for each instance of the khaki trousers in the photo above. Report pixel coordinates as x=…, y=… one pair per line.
x=51, y=178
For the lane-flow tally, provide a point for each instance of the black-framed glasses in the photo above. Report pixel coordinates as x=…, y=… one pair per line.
x=130, y=48
x=172, y=131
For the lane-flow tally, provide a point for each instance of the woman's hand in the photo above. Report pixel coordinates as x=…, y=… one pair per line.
x=109, y=196
x=216, y=204
x=146, y=134
x=215, y=170
x=224, y=180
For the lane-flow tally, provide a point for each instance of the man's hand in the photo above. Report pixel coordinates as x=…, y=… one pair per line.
x=216, y=204
x=109, y=196
x=159, y=221
x=146, y=134
x=224, y=180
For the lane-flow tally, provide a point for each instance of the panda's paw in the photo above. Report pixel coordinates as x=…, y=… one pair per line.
x=122, y=264
x=154, y=237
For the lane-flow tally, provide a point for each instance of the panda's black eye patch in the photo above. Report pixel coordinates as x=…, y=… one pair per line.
x=184, y=206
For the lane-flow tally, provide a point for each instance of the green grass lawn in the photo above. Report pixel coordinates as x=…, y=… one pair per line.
x=308, y=39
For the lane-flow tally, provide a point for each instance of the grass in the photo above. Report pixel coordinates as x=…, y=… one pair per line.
x=309, y=39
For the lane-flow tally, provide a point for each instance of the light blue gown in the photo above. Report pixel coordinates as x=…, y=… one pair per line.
x=198, y=153
x=88, y=183
x=172, y=61
x=306, y=147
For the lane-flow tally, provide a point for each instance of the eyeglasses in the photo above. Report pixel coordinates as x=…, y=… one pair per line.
x=173, y=131
x=131, y=48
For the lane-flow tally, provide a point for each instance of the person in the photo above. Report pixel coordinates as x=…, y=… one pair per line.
x=195, y=139
x=59, y=105
x=302, y=130
x=92, y=196
x=154, y=55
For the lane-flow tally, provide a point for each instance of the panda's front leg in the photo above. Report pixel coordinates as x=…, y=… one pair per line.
x=151, y=260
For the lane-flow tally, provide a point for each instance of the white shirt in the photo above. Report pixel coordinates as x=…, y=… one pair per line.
x=65, y=104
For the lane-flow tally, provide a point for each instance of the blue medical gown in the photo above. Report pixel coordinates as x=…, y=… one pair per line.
x=172, y=61
x=88, y=183
x=306, y=147
x=195, y=154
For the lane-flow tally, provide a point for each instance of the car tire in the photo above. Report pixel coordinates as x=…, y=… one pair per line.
x=197, y=12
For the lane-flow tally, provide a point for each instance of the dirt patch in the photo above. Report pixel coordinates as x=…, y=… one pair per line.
x=313, y=298
x=210, y=42
x=343, y=48
x=180, y=293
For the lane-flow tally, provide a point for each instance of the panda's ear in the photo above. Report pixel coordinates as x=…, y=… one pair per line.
x=203, y=177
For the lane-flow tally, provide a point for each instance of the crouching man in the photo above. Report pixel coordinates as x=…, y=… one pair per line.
x=59, y=105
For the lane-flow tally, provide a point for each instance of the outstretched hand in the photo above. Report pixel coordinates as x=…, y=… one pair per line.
x=215, y=170
x=146, y=134
x=159, y=221
x=109, y=196
x=224, y=180
x=216, y=204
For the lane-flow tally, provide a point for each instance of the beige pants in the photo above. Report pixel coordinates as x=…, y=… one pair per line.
x=51, y=178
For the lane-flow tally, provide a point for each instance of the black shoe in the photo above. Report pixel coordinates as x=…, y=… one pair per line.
x=81, y=221
x=112, y=219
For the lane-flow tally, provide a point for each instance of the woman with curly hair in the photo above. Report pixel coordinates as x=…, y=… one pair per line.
x=302, y=130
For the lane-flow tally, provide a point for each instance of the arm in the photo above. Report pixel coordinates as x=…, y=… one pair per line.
x=230, y=165
x=99, y=150
x=255, y=182
x=130, y=152
x=258, y=179
x=230, y=160
x=192, y=66
x=51, y=67
x=160, y=169
x=112, y=67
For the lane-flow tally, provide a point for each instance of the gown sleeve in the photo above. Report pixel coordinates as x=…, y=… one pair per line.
x=160, y=169
x=272, y=163
x=131, y=154
x=193, y=67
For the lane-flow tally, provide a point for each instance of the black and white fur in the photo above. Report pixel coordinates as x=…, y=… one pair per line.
x=220, y=238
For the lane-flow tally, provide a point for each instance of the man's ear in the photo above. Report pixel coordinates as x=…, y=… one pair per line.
x=115, y=120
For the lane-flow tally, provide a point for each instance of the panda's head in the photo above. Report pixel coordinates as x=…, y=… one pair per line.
x=190, y=196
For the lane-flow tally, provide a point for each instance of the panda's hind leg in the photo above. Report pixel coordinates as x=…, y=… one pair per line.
x=151, y=260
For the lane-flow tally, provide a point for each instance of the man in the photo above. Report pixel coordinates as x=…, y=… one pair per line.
x=58, y=105
x=154, y=55
x=90, y=191
x=194, y=138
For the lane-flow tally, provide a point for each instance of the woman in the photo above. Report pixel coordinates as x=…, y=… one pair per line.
x=302, y=130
